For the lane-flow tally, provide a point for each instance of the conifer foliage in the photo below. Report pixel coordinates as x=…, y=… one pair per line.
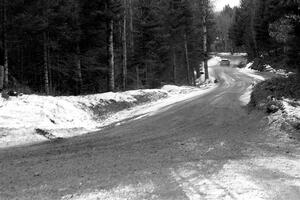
x=268, y=29
x=66, y=47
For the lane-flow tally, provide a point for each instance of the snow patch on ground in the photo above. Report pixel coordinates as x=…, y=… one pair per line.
x=292, y=110
x=288, y=118
x=240, y=54
x=246, y=97
x=224, y=54
x=231, y=182
x=281, y=72
x=267, y=68
x=250, y=72
x=215, y=60
x=248, y=66
x=230, y=54
x=122, y=192
x=64, y=117
x=238, y=179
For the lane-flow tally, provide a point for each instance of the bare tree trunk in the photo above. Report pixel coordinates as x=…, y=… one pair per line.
x=46, y=73
x=6, y=70
x=252, y=28
x=131, y=26
x=79, y=81
x=197, y=69
x=174, y=66
x=111, y=56
x=205, y=39
x=137, y=71
x=1, y=77
x=147, y=75
x=125, y=46
x=78, y=68
x=5, y=46
x=22, y=62
x=49, y=69
x=187, y=59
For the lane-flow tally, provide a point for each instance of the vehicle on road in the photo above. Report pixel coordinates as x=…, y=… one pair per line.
x=225, y=62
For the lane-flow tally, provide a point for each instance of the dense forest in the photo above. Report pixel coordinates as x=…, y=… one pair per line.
x=63, y=47
x=269, y=31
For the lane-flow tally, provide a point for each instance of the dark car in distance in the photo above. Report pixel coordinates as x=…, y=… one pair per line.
x=225, y=62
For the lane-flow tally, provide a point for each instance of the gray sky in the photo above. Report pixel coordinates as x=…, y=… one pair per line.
x=219, y=4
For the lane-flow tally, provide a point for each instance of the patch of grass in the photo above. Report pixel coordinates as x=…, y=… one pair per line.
x=275, y=88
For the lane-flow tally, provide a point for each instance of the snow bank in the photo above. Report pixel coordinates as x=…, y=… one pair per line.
x=292, y=111
x=214, y=61
x=288, y=118
x=246, y=97
x=240, y=54
x=267, y=68
x=250, y=72
x=281, y=72
x=224, y=54
x=68, y=116
x=248, y=66
x=230, y=54
x=43, y=112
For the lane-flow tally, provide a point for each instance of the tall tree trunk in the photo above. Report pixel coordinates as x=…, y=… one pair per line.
x=78, y=68
x=197, y=69
x=174, y=65
x=125, y=46
x=5, y=46
x=137, y=71
x=22, y=62
x=46, y=72
x=78, y=50
x=131, y=26
x=1, y=77
x=187, y=59
x=49, y=69
x=252, y=28
x=111, y=56
x=205, y=7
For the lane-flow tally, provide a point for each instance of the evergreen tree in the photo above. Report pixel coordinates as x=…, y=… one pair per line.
x=88, y=46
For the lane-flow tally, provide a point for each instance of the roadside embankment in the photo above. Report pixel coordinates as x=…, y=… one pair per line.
x=31, y=118
x=280, y=98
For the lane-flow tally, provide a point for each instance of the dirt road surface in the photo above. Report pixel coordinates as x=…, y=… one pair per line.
x=208, y=147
